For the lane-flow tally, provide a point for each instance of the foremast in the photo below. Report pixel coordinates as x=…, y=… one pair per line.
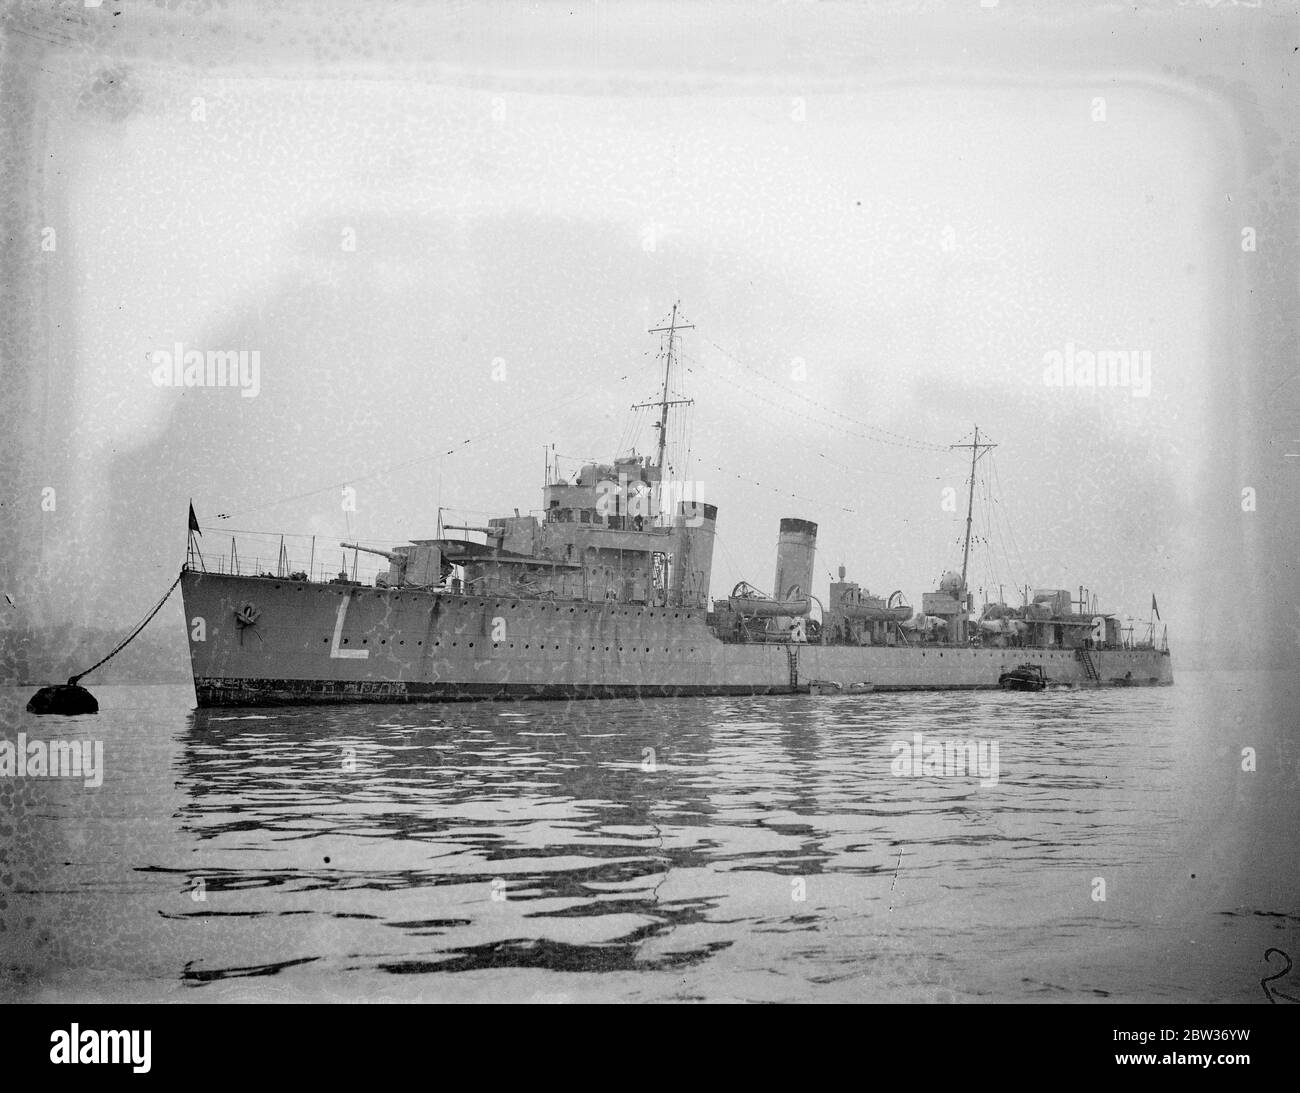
x=664, y=402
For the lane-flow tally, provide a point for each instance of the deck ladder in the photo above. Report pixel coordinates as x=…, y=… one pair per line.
x=1089, y=668
x=792, y=651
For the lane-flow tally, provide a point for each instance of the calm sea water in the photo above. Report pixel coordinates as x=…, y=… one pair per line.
x=696, y=849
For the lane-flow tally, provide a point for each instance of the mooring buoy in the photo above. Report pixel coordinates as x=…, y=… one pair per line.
x=68, y=698
x=63, y=698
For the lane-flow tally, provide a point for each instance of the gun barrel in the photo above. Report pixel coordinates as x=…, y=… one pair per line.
x=499, y=532
x=373, y=550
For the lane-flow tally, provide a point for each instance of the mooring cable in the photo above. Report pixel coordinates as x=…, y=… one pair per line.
x=72, y=680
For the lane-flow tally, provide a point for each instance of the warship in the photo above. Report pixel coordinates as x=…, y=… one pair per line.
x=605, y=593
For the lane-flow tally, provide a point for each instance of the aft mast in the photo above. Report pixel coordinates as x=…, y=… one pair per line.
x=975, y=446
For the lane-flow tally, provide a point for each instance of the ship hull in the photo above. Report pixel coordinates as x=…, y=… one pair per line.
x=257, y=641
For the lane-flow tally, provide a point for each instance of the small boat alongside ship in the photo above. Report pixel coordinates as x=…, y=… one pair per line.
x=830, y=687
x=1024, y=677
x=605, y=593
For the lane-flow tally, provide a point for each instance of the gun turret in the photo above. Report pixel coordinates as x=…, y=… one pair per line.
x=416, y=566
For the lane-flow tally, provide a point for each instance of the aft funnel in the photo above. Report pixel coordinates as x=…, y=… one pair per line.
x=795, y=547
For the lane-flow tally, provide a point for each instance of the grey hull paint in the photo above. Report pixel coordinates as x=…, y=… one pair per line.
x=314, y=643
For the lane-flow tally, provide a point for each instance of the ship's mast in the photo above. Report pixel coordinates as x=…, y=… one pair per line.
x=664, y=401
x=974, y=447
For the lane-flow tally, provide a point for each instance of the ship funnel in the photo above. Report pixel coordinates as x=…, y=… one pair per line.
x=795, y=547
x=692, y=563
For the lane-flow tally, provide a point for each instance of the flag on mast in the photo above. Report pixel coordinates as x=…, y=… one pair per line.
x=1155, y=610
x=194, y=521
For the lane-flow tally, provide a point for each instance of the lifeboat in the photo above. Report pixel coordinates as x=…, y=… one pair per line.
x=746, y=600
x=856, y=604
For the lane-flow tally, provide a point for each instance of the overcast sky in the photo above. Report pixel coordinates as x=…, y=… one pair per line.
x=892, y=229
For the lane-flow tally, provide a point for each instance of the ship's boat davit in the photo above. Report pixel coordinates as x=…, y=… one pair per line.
x=856, y=604
x=746, y=600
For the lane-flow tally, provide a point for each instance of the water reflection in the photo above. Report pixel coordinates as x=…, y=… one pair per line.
x=623, y=835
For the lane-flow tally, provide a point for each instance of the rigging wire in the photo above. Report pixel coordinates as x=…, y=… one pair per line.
x=678, y=444
x=389, y=468
x=988, y=558
x=1006, y=520
x=888, y=436
x=777, y=490
x=849, y=470
x=785, y=408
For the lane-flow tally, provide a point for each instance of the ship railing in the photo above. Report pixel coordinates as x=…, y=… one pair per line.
x=318, y=558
